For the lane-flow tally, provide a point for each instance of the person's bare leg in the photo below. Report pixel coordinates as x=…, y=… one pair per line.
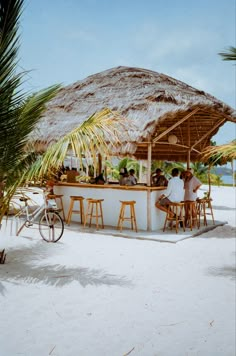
x=163, y=208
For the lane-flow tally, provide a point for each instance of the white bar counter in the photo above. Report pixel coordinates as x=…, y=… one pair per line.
x=148, y=217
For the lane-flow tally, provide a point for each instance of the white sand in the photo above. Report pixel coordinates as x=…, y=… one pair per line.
x=92, y=294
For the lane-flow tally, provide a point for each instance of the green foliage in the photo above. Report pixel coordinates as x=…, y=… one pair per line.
x=167, y=167
x=229, y=55
x=19, y=112
x=86, y=141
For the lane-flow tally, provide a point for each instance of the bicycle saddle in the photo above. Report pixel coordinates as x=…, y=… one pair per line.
x=24, y=199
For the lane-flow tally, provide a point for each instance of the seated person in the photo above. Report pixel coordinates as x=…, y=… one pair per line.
x=173, y=193
x=132, y=180
x=158, y=179
x=123, y=176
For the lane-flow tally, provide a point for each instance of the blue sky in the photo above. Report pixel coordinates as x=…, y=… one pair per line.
x=63, y=41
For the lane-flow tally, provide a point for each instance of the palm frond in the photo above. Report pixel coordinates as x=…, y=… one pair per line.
x=19, y=113
x=95, y=135
x=230, y=55
x=224, y=153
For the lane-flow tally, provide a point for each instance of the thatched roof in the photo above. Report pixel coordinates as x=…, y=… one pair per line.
x=158, y=105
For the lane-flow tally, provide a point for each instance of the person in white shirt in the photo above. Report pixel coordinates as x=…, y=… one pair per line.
x=174, y=192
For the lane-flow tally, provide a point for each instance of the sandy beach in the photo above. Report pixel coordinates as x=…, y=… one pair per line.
x=98, y=294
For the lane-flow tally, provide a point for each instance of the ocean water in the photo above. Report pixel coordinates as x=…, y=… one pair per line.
x=227, y=179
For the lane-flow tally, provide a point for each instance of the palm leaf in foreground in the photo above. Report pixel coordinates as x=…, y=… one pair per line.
x=98, y=134
x=19, y=113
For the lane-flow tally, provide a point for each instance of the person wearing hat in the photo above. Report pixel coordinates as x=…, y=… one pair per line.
x=158, y=179
x=191, y=185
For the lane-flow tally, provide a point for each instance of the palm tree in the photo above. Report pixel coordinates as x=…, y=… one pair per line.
x=230, y=55
x=223, y=154
x=226, y=152
x=19, y=112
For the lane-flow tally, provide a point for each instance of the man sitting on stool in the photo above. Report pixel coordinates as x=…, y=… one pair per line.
x=174, y=192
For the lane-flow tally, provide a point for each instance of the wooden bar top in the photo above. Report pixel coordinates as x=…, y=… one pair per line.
x=136, y=187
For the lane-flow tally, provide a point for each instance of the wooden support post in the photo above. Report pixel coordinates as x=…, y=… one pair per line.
x=149, y=222
x=189, y=148
x=149, y=164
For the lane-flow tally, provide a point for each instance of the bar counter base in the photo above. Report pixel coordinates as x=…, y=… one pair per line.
x=148, y=217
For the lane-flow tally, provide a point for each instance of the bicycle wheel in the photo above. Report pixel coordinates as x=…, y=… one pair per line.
x=51, y=226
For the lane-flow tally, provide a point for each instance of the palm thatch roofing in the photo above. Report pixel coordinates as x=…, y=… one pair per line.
x=158, y=105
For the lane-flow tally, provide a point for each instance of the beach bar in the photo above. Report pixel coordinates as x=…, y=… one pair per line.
x=174, y=122
x=147, y=216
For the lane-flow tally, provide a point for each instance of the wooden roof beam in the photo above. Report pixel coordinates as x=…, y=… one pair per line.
x=176, y=144
x=208, y=132
x=176, y=124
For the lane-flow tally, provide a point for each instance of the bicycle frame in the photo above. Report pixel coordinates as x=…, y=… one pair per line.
x=30, y=218
x=50, y=223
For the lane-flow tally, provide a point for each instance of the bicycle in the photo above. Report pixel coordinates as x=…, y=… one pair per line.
x=51, y=225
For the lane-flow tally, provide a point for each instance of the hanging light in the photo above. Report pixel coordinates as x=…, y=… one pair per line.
x=172, y=139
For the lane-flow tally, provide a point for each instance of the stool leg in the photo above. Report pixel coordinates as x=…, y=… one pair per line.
x=190, y=220
x=166, y=219
x=182, y=217
x=134, y=218
x=90, y=213
x=131, y=216
x=122, y=217
x=81, y=211
x=86, y=215
x=197, y=217
x=194, y=215
x=200, y=213
x=70, y=212
x=119, y=219
x=176, y=220
x=97, y=215
x=186, y=214
x=204, y=214
x=101, y=212
x=120, y=222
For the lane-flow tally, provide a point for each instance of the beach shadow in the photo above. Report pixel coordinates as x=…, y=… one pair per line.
x=225, y=271
x=22, y=269
x=218, y=232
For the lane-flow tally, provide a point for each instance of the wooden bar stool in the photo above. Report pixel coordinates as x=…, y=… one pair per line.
x=131, y=217
x=97, y=203
x=202, y=206
x=191, y=216
x=58, y=196
x=176, y=209
x=73, y=200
